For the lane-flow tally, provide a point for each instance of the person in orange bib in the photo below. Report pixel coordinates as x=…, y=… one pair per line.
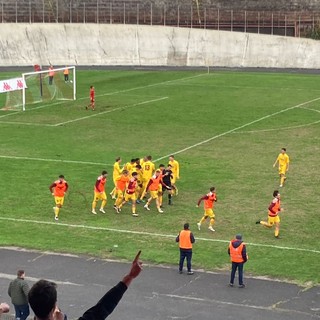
x=209, y=200
x=238, y=255
x=100, y=193
x=121, y=185
x=51, y=75
x=273, y=214
x=92, y=94
x=153, y=188
x=58, y=189
x=185, y=239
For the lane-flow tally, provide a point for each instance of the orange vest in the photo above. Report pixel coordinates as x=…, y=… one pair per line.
x=236, y=253
x=275, y=208
x=60, y=188
x=209, y=203
x=155, y=183
x=132, y=186
x=66, y=71
x=102, y=181
x=184, y=239
x=122, y=182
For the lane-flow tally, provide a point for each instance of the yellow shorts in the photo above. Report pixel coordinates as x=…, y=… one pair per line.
x=154, y=194
x=209, y=213
x=282, y=170
x=59, y=200
x=128, y=197
x=160, y=188
x=173, y=179
x=119, y=193
x=99, y=196
x=273, y=220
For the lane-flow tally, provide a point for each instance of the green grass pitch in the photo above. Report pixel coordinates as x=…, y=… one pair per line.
x=225, y=128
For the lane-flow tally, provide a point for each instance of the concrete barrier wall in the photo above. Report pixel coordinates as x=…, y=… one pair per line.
x=101, y=44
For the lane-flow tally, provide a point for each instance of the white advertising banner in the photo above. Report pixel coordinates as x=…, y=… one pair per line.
x=12, y=85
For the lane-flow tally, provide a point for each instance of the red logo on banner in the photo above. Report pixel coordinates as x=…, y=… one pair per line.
x=6, y=86
x=19, y=84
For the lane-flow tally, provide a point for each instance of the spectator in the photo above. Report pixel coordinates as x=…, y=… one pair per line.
x=18, y=292
x=51, y=74
x=185, y=239
x=238, y=254
x=43, y=298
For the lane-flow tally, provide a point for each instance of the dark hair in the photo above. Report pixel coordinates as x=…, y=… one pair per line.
x=275, y=193
x=161, y=165
x=61, y=176
x=149, y=157
x=212, y=189
x=104, y=172
x=171, y=156
x=284, y=149
x=42, y=298
x=186, y=226
x=138, y=166
x=134, y=174
x=169, y=165
x=118, y=158
x=20, y=273
x=133, y=160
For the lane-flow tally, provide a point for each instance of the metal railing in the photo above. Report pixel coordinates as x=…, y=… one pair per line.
x=145, y=13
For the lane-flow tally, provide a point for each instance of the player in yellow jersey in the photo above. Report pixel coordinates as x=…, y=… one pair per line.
x=175, y=168
x=116, y=173
x=148, y=168
x=130, y=165
x=139, y=190
x=283, y=161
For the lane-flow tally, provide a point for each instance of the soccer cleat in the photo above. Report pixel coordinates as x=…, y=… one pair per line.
x=190, y=273
x=116, y=208
x=230, y=285
x=199, y=225
x=138, y=201
x=277, y=237
x=211, y=229
x=258, y=222
x=160, y=211
x=281, y=186
x=180, y=272
x=242, y=286
x=146, y=207
x=135, y=215
x=101, y=210
x=93, y=211
x=56, y=218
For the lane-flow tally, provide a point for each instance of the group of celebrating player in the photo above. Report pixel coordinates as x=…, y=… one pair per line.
x=132, y=182
x=139, y=177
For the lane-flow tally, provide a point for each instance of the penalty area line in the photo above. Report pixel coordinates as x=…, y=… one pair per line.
x=81, y=226
x=109, y=111
x=238, y=128
x=55, y=160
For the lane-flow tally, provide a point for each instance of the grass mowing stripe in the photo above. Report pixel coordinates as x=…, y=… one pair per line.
x=148, y=233
x=238, y=128
x=55, y=160
x=109, y=111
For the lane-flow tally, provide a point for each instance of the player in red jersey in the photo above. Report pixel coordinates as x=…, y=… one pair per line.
x=58, y=190
x=91, y=105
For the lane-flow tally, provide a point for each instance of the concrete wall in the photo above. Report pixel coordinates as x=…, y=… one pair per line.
x=101, y=44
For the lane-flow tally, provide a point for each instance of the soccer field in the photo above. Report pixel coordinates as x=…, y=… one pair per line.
x=225, y=128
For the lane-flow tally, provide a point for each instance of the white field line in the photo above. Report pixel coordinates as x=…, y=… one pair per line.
x=12, y=277
x=285, y=128
x=108, y=111
x=55, y=160
x=237, y=128
x=27, y=123
x=81, y=226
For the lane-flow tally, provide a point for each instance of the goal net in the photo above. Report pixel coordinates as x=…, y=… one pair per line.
x=43, y=86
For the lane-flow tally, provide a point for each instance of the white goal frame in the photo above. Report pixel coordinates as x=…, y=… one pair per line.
x=24, y=75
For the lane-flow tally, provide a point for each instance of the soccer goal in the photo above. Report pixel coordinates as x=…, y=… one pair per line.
x=43, y=86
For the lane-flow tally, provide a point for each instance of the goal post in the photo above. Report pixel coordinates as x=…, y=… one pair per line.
x=51, y=84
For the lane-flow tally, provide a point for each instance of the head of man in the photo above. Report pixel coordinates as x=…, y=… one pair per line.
x=43, y=299
x=186, y=226
x=283, y=150
x=21, y=274
x=104, y=173
x=171, y=158
x=61, y=177
x=276, y=194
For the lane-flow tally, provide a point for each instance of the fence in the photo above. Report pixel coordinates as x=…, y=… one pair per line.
x=297, y=24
